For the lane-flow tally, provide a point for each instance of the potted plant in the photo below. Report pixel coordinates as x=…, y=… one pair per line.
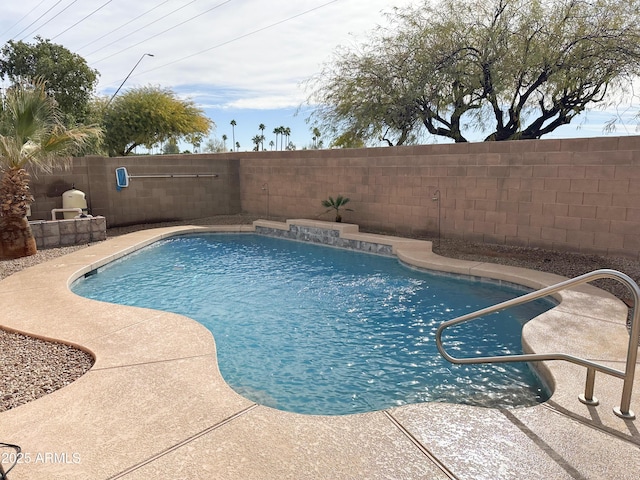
x=336, y=205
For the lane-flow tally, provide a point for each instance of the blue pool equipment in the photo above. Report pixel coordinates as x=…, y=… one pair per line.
x=122, y=178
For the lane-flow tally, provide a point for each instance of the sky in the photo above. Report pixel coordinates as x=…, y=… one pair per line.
x=242, y=60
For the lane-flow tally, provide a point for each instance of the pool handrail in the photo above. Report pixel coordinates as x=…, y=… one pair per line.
x=587, y=398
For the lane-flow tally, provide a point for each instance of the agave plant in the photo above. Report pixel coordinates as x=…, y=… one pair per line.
x=336, y=205
x=31, y=134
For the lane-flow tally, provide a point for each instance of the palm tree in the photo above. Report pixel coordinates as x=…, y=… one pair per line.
x=277, y=132
x=233, y=131
x=271, y=144
x=316, y=137
x=237, y=146
x=287, y=133
x=261, y=127
x=31, y=134
x=195, y=139
x=256, y=140
x=336, y=205
x=224, y=141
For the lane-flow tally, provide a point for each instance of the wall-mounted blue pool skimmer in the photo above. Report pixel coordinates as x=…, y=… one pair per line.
x=123, y=177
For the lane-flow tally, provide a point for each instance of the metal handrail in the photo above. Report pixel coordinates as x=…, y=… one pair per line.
x=632, y=353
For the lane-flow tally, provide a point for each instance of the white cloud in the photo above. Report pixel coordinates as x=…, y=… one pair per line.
x=244, y=56
x=260, y=49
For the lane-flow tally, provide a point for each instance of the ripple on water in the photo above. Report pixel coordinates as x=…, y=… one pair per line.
x=319, y=330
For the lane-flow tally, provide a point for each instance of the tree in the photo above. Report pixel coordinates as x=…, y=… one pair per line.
x=287, y=133
x=68, y=77
x=282, y=131
x=224, y=142
x=195, y=139
x=233, y=131
x=512, y=69
x=277, y=132
x=148, y=116
x=317, y=143
x=256, y=141
x=215, y=145
x=31, y=134
x=237, y=146
x=95, y=116
x=348, y=140
x=171, y=147
x=262, y=127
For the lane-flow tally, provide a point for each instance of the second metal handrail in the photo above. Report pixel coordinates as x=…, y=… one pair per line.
x=632, y=353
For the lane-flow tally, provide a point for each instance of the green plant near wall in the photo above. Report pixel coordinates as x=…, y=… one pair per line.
x=336, y=204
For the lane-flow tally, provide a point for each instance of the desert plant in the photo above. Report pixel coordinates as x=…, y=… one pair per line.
x=336, y=205
x=31, y=134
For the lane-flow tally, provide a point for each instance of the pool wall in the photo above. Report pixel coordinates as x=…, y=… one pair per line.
x=335, y=235
x=154, y=401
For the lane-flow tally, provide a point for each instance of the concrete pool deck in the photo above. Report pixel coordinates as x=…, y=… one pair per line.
x=154, y=404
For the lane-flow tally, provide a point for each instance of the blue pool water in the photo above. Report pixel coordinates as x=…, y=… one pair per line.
x=319, y=330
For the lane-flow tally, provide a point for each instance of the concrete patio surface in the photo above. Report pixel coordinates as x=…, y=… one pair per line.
x=154, y=405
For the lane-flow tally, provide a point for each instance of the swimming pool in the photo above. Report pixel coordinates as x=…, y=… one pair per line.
x=320, y=330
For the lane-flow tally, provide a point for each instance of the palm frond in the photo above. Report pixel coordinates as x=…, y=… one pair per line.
x=31, y=130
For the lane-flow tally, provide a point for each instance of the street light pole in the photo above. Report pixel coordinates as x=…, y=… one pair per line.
x=127, y=77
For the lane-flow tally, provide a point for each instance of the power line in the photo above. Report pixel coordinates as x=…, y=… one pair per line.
x=165, y=31
x=181, y=59
x=83, y=19
x=25, y=16
x=123, y=25
x=29, y=26
x=143, y=27
x=50, y=20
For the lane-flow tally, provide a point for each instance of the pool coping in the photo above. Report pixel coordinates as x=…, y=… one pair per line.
x=152, y=404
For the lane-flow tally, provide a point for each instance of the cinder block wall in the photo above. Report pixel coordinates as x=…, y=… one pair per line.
x=146, y=200
x=575, y=195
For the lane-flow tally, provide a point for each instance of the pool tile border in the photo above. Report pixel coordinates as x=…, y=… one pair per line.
x=150, y=404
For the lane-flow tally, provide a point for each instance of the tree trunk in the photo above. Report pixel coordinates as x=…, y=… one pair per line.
x=16, y=238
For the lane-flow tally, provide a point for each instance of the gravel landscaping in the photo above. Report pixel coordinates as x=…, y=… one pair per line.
x=32, y=368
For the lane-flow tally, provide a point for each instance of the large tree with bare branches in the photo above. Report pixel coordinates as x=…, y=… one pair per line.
x=511, y=69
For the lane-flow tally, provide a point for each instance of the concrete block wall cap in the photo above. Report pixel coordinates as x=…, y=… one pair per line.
x=229, y=228
x=271, y=224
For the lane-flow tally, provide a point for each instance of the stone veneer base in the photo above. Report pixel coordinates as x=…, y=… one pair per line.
x=324, y=236
x=64, y=233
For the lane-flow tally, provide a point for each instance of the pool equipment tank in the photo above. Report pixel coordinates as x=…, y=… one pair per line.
x=74, y=199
